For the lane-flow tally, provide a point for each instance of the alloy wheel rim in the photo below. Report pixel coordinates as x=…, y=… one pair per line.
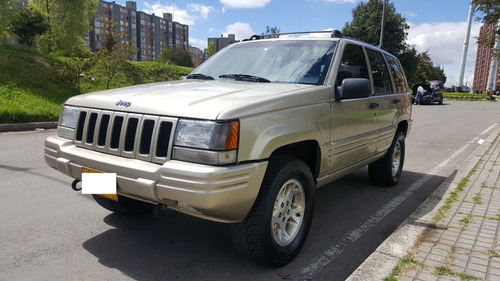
x=288, y=212
x=396, y=159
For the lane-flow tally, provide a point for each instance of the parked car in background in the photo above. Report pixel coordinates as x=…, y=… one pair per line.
x=433, y=92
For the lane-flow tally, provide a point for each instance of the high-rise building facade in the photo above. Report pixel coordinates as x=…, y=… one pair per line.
x=148, y=32
x=221, y=42
x=196, y=56
x=483, y=62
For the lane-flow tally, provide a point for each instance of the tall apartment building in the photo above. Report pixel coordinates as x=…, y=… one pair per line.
x=483, y=61
x=221, y=42
x=148, y=32
x=196, y=56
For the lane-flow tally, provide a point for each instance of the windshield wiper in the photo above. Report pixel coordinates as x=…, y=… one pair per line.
x=199, y=76
x=245, y=77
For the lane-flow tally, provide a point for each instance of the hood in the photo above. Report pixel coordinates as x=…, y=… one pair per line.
x=190, y=98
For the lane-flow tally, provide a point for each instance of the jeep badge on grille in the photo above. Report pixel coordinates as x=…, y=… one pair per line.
x=123, y=103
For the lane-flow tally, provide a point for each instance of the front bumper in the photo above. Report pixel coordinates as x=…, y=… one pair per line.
x=223, y=194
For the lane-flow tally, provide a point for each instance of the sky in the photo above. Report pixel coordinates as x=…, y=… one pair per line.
x=436, y=26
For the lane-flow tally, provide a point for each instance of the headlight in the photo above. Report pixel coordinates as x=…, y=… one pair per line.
x=206, y=142
x=67, y=121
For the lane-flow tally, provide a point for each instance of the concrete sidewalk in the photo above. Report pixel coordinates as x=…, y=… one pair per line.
x=455, y=234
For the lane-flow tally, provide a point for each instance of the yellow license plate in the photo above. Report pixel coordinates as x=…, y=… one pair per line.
x=113, y=197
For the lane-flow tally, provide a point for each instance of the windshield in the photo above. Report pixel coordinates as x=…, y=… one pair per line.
x=282, y=61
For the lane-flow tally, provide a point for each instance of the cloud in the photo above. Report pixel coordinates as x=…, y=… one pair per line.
x=241, y=30
x=445, y=42
x=198, y=43
x=244, y=4
x=189, y=16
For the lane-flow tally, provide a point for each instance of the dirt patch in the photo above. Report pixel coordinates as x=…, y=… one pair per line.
x=42, y=61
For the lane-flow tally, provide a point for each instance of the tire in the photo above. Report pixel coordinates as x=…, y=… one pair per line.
x=125, y=206
x=441, y=101
x=278, y=223
x=387, y=171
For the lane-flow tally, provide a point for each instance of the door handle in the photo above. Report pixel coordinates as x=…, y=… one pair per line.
x=396, y=101
x=374, y=105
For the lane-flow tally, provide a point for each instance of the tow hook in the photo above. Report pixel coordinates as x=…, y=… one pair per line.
x=160, y=210
x=73, y=185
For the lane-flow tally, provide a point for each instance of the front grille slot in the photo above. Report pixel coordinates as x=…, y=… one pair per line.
x=130, y=135
x=91, y=128
x=116, y=132
x=163, y=139
x=81, y=123
x=146, y=137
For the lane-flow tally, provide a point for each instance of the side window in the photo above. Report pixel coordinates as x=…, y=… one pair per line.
x=353, y=64
x=397, y=74
x=380, y=73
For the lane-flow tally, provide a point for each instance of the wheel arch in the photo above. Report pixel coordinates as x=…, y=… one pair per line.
x=403, y=127
x=307, y=151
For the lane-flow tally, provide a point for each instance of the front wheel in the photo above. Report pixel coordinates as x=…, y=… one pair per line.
x=277, y=226
x=387, y=171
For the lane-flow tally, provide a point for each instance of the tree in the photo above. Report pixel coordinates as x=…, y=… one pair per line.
x=490, y=9
x=116, y=52
x=6, y=13
x=69, y=20
x=409, y=60
x=210, y=50
x=272, y=30
x=26, y=25
x=76, y=68
x=491, y=15
x=427, y=71
x=366, y=26
x=176, y=55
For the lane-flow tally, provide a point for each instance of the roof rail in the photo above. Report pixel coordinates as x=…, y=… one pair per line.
x=334, y=34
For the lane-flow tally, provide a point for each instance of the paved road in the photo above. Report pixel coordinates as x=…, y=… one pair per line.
x=49, y=232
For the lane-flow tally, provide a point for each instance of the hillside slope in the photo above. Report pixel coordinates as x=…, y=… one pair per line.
x=32, y=88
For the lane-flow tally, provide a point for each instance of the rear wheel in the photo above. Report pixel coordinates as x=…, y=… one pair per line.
x=124, y=206
x=387, y=171
x=277, y=226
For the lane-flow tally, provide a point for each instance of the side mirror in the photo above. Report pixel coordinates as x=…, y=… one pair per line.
x=355, y=88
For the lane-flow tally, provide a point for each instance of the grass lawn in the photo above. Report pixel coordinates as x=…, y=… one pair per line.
x=466, y=97
x=32, y=90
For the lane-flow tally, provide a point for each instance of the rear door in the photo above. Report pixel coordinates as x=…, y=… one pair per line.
x=385, y=98
x=393, y=103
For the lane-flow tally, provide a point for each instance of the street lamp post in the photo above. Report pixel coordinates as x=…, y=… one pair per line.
x=381, y=43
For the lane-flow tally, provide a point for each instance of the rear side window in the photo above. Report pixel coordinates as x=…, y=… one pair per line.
x=380, y=73
x=397, y=74
x=353, y=64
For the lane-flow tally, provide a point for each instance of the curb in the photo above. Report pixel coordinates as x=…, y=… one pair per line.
x=27, y=126
x=386, y=257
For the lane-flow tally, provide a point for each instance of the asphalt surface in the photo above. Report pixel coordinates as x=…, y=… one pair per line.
x=192, y=255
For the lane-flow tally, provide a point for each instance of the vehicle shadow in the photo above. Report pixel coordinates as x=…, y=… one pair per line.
x=180, y=247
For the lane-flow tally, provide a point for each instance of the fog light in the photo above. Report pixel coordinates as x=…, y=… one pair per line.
x=186, y=206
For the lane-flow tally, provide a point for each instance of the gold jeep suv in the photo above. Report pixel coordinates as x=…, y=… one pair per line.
x=246, y=138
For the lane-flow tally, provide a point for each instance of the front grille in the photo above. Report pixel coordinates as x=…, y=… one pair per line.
x=131, y=135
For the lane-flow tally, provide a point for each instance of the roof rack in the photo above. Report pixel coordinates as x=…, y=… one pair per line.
x=334, y=34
